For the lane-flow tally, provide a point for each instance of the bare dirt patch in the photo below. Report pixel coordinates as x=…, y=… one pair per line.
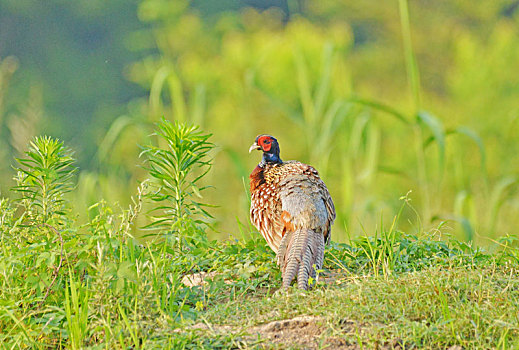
x=302, y=332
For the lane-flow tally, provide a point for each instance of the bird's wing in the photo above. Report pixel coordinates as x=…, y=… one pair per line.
x=265, y=215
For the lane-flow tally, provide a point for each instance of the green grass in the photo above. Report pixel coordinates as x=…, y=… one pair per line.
x=425, y=293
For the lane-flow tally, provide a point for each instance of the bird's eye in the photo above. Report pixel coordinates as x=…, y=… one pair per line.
x=266, y=142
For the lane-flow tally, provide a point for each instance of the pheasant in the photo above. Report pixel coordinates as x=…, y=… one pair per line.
x=293, y=210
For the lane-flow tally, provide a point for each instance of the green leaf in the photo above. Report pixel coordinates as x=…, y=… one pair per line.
x=436, y=128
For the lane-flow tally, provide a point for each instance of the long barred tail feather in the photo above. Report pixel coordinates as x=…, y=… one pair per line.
x=294, y=256
x=308, y=258
x=299, y=252
x=283, y=245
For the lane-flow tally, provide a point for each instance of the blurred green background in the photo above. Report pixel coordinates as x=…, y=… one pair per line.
x=379, y=104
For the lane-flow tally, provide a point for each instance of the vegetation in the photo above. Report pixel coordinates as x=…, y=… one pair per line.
x=95, y=285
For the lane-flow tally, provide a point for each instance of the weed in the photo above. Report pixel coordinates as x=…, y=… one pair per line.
x=43, y=179
x=177, y=167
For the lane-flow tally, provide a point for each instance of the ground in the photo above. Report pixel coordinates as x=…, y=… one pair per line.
x=437, y=308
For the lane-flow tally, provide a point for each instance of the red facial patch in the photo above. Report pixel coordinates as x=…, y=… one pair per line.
x=265, y=142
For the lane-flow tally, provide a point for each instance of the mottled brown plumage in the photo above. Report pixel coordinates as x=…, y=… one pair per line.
x=293, y=210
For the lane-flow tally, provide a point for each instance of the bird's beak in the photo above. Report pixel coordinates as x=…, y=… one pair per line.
x=253, y=147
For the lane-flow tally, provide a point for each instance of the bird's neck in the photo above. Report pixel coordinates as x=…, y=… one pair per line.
x=270, y=158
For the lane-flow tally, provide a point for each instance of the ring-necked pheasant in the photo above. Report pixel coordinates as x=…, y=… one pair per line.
x=293, y=210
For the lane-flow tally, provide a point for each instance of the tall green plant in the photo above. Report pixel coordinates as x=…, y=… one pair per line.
x=43, y=179
x=321, y=115
x=76, y=311
x=6, y=215
x=177, y=165
x=413, y=74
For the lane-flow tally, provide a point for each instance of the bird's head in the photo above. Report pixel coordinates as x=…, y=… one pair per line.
x=270, y=147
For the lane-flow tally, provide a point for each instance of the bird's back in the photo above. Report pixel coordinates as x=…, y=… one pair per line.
x=291, y=207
